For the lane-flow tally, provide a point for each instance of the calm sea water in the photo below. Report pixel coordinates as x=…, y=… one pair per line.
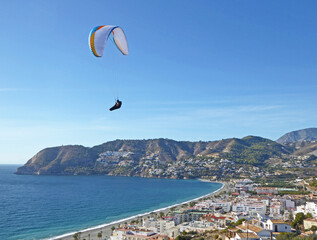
x=37, y=207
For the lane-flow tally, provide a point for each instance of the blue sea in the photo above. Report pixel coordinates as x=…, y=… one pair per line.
x=39, y=207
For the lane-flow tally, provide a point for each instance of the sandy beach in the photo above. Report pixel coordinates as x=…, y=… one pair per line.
x=92, y=233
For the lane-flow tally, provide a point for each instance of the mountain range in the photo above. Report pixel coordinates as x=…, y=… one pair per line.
x=162, y=157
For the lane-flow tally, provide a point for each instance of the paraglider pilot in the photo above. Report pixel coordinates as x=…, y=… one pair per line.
x=117, y=105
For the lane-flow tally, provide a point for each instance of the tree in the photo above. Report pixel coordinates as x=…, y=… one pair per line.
x=99, y=235
x=313, y=184
x=308, y=215
x=180, y=237
x=311, y=237
x=290, y=215
x=76, y=236
x=299, y=218
x=240, y=221
x=231, y=225
x=113, y=228
x=286, y=236
x=313, y=228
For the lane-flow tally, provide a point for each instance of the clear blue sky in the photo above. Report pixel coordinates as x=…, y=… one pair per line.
x=197, y=70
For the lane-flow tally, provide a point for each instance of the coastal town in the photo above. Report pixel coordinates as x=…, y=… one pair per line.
x=241, y=210
x=269, y=190
x=158, y=120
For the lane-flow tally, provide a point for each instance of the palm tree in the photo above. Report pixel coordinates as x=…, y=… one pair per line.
x=76, y=236
x=99, y=235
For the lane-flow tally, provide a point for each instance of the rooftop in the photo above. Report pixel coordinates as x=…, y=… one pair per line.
x=277, y=221
x=311, y=219
x=250, y=227
x=248, y=235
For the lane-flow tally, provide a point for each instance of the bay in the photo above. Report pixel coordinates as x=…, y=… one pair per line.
x=38, y=207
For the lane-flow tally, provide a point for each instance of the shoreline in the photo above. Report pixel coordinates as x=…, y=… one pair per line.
x=92, y=232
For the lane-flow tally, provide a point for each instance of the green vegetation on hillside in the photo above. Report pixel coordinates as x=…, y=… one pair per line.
x=253, y=150
x=313, y=183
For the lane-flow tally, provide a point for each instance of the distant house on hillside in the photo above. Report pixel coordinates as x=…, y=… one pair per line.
x=308, y=223
x=278, y=226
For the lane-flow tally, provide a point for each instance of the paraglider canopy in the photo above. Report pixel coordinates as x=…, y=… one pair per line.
x=99, y=35
x=116, y=106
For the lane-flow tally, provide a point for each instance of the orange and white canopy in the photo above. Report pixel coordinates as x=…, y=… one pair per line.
x=99, y=35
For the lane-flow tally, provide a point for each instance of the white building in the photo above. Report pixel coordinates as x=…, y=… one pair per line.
x=275, y=209
x=266, y=190
x=308, y=223
x=187, y=216
x=159, y=226
x=289, y=204
x=251, y=208
x=226, y=206
x=202, y=205
x=278, y=226
x=197, y=226
x=310, y=207
x=132, y=234
x=242, y=187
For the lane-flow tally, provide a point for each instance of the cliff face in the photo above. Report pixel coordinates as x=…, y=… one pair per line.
x=56, y=160
x=140, y=157
x=308, y=134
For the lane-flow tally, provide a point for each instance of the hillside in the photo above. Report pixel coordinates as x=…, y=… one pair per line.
x=304, y=148
x=153, y=158
x=308, y=134
x=254, y=150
